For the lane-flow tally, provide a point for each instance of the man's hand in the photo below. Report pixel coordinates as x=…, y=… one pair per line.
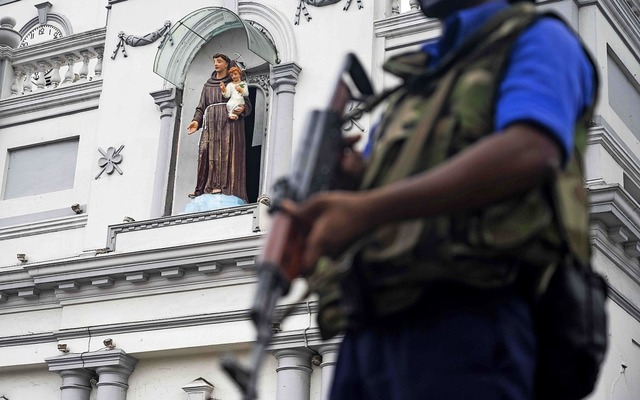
x=336, y=219
x=223, y=88
x=352, y=165
x=193, y=126
x=496, y=168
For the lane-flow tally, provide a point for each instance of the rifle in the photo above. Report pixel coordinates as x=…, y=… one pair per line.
x=316, y=168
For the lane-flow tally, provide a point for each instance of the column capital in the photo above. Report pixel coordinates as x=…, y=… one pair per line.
x=284, y=77
x=166, y=100
x=114, y=358
x=294, y=359
x=329, y=353
x=64, y=362
x=6, y=53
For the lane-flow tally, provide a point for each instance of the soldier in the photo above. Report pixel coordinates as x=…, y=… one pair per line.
x=455, y=222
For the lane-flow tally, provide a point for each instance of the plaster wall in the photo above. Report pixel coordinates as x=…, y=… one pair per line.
x=16, y=322
x=30, y=383
x=620, y=376
x=240, y=226
x=17, y=358
x=88, y=15
x=82, y=125
x=600, y=165
x=149, y=306
x=48, y=246
x=164, y=377
x=604, y=39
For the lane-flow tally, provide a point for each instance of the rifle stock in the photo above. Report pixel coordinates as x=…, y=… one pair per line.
x=316, y=168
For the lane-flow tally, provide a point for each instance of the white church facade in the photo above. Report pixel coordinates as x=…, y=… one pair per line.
x=112, y=288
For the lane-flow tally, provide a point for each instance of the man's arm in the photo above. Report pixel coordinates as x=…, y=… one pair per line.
x=196, y=121
x=496, y=168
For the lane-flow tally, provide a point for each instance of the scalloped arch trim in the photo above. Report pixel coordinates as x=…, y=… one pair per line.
x=61, y=20
x=276, y=24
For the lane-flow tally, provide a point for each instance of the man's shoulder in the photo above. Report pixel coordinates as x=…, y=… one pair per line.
x=551, y=32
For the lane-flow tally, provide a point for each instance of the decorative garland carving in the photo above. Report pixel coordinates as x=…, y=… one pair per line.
x=135, y=41
x=302, y=8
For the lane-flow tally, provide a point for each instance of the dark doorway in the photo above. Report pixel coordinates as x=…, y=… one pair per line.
x=254, y=153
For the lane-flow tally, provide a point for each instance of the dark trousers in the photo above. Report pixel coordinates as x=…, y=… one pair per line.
x=456, y=344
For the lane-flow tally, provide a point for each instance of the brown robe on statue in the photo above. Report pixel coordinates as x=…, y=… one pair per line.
x=221, y=154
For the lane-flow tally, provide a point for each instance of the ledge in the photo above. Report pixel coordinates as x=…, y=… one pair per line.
x=611, y=205
x=91, y=40
x=175, y=220
x=283, y=339
x=41, y=227
x=50, y=103
x=398, y=29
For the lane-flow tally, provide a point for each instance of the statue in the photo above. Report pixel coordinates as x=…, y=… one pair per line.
x=221, y=153
x=235, y=91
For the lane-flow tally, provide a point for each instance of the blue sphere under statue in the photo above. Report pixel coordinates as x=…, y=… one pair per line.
x=208, y=202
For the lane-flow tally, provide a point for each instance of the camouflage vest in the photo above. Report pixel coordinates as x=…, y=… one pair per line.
x=427, y=122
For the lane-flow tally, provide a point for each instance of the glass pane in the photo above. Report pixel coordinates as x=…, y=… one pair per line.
x=193, y=31
x=40, y=169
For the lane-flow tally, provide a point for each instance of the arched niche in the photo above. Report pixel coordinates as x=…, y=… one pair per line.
x=199, y=71
x=272, y=87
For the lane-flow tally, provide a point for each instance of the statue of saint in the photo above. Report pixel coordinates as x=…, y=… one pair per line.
x=221, y=154
x=235, y=91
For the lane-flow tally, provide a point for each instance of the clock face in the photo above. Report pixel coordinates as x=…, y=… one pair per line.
x=41, y=33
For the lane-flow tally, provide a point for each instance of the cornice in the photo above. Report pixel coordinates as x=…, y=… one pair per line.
x=50, y=103
x=611, y=205
x=602, y=134
x=404, y=24
x=622, y=19
x=101, y=276
x=280, y=340
x=601, y=241
x=223, y=251
x=181, y=219
x=42, y=227
x=91, y=40
x=6, y=53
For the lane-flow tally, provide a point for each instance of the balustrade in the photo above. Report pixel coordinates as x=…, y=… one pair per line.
x=404, y=6
x=77, y=58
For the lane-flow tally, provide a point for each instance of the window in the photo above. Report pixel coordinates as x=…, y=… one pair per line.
x=42, y=168
x=624, y=95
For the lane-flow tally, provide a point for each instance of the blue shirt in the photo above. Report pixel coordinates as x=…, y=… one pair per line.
x=548, y=80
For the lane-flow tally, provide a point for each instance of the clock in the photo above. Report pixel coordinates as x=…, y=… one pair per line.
x=41, y=33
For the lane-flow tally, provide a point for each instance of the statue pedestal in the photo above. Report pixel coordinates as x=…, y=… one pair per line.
x=208, y=202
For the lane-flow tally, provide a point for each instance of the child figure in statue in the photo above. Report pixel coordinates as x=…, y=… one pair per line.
x=235, y=91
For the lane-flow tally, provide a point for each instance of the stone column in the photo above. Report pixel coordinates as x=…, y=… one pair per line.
x=9, y=40
x=76, y=384
x=76, y=380
x=283, y=79
x=166, y=101
x=113, y=382
x=294, y=374
x=113, y=368
x=329, y=355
